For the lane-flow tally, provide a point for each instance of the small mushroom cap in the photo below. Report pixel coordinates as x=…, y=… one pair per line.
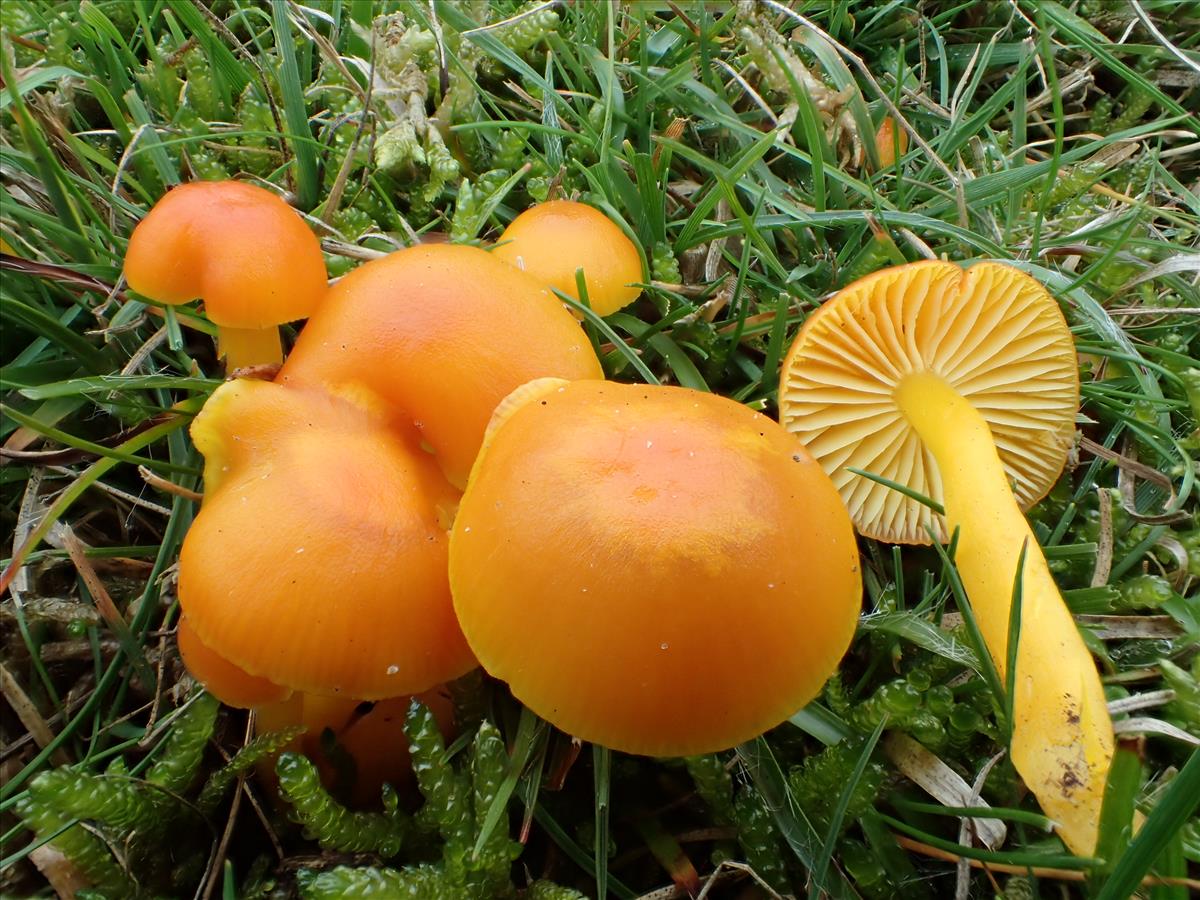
x=654, y=569
x=552, y=240
x=239, y=247
x=992, y=332
x=318, y=560
x=370, y=734
x=443, y=333
x=221, y=678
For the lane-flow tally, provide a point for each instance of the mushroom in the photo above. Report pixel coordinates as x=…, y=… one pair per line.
x=654, y=569
x=958, y=385
x=368, y=735
x=221, y=678
x=553, y=240
x=318, y=560
x=438, y=334
x=239, y=247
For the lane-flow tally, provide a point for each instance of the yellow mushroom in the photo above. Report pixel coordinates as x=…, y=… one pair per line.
x=963, y=387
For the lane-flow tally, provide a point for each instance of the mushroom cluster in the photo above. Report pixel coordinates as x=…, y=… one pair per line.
x=438, y=474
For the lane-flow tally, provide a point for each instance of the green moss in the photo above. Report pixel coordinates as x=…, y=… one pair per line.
x=759, y=837
x=332, y=825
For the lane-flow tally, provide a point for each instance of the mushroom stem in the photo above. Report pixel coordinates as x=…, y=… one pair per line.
x=1062, y=739
x=245, y=347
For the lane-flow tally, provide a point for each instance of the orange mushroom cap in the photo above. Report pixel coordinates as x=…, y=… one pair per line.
x=370, y=734
x=993, y=334
x=318, y=560
x=240, y=248
x=654, y=569
x=221, y=678
x=553, y=240
x=442, y=333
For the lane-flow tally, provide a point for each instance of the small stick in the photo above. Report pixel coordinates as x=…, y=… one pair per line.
x=1037, y=871
x=29, y=715
x=211, y=879
x=1104, y=551
x=100, y=595
x=168, y=487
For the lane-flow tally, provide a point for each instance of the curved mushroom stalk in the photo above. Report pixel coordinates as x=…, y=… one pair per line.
x=959, y=384
x=241, y=249
x=1062, y=740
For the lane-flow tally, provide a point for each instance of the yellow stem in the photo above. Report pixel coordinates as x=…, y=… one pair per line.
x=1062, y=741
x=245, y=347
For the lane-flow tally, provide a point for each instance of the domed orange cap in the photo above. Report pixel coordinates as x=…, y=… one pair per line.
x=443, y=333
x=552, y=240
x=318, y=560
x=654, y=569
x=239, y=247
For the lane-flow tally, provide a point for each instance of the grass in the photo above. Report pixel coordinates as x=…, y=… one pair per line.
x=736, y=145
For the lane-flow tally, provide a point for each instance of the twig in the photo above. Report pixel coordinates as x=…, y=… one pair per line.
x=211, y=878
x=334, y=200
x=1037, y=871
x=1104, y=550
x=1155, y=311
x=168, y=487
x=100, y=595
x=33, y=721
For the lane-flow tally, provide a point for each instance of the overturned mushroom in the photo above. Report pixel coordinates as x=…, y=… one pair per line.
x=957, y=385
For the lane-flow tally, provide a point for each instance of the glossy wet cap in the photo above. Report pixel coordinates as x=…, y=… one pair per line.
x=991, y=332
x=221, y=678
x=440, y=334
x=318, y=560
x=239, y=247
x=654, y=569
x=552, y=240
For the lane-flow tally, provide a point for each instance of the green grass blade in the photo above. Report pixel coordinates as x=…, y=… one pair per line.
x=1178, y=803
x=295, y=114
x=987, y=666
x=1116, y=811
x=602, y=778
x=1014, y=633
